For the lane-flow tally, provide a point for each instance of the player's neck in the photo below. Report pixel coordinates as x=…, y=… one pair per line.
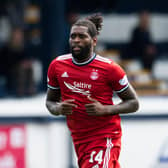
x=84, y=61
x=90, y=55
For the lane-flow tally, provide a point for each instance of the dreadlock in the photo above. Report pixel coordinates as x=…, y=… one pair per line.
x=93, y=23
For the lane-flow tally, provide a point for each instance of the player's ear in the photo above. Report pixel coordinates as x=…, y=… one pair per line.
x=94, y=41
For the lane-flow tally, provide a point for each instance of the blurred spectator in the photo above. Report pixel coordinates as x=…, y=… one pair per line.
x=5, y=24
x=16, y=67
x=15, y=10
x=11, y=15
x=141, y=45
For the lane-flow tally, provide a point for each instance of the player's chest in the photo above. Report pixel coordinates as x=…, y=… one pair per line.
x=82, y=80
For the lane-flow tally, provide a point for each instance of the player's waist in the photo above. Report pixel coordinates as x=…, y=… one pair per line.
x=89, y=128
x=83, y=138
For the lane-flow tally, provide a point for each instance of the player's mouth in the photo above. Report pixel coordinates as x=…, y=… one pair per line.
x=76, y=49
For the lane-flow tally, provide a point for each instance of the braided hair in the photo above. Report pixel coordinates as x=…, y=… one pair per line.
x=92, y=22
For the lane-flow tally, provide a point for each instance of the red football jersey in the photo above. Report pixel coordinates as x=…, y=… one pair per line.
x=98, y=78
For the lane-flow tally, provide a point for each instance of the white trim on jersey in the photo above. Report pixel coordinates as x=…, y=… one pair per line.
x=51, y=87
x=119, y=91
x=84, y=63
x=64, y=57
x=102, y=59
x=109, y=145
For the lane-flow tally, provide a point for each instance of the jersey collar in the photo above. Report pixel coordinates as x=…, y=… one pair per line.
x=86, y=62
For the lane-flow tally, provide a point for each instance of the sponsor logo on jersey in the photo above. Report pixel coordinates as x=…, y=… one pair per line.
x=65, y=75
x=123, y=81
x=79, y=87
x=94, y=75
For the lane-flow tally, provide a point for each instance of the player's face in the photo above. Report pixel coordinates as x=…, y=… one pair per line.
x=81, y=43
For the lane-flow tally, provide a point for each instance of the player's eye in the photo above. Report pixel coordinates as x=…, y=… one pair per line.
x=73, y=36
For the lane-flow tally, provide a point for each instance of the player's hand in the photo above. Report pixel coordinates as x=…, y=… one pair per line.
x=66, y=107
x=95, y=107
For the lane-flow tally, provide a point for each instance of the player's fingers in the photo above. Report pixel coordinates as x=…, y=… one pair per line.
x=70, y=105
x=91, y=112
x=69, y=100
x=90, y=109
x=89, y=105
x=91, y=99
x=67, y=107
x=66, y=110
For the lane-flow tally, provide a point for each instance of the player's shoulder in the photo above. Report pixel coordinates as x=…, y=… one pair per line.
x=61, y=58
x=64, y=57
x=103, y=59
x=108, y=62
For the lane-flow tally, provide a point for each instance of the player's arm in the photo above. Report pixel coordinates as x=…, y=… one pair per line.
x=54, y=105
x=124, y=90
x=52, y=100
x=129, y=104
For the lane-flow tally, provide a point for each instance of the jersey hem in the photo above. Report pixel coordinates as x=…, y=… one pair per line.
x=96, y=137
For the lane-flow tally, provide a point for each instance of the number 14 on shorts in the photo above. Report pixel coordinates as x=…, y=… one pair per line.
x=96, y=157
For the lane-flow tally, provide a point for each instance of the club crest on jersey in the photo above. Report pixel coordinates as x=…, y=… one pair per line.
x=94, y=74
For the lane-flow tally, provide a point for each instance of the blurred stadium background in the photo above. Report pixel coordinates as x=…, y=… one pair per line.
x=29, y=136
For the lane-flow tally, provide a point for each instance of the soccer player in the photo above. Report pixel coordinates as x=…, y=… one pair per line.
x=81, y=86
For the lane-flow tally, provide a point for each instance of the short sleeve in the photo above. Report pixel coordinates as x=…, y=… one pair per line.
x=117, y=78
x=52, y=81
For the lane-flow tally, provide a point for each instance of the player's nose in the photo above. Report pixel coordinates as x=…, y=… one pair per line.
x=76, y=39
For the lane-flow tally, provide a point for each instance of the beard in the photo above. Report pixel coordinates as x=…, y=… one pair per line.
x=82, y=54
